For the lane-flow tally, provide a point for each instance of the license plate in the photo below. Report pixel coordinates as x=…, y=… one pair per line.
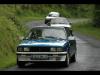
x=39, y=57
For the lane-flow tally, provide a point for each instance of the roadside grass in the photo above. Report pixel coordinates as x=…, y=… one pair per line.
x=87, y=29
x=8, y=42
x=29, y=16
x=7, y=61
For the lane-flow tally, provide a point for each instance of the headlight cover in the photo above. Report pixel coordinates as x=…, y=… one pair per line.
x=26, y=49
x=56, y=49
x=53, y=50
x=59, y=49
x=20, y=49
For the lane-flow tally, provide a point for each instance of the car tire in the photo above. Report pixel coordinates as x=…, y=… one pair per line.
x=46, y=21
x=67, y=61
x=20, y=64
x=73, y=58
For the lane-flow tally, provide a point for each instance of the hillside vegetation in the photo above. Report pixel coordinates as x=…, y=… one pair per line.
x=87, y=29
x=9, y=31
x=13, y=19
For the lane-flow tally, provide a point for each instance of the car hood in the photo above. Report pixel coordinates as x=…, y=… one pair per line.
x=61, y=25
x=44, y=43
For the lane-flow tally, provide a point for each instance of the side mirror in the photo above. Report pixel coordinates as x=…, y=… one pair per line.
x=71, y=38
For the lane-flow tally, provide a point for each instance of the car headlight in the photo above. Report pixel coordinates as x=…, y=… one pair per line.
x=59, y=49
x=53, y=49
x=26, y=49
x=56, y=49
x=20, y=49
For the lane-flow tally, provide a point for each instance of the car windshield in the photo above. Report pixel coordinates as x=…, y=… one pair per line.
x=53, y=15
x=46, y=33
x=59, y=21
x=50, y=15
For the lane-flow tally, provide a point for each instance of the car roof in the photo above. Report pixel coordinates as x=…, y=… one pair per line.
x=54, y=13
x=40, y=27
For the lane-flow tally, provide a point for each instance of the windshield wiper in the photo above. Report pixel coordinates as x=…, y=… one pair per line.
x=51, y=37
x=60, y=39
x=55, y=38
x=41, y=38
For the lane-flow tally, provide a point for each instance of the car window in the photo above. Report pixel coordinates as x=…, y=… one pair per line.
x=54, y=33
x=53, y=15
x=47, y=33
x=50, y=15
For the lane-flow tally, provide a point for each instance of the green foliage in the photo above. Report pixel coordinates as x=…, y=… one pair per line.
x=9, y=33
x=66, y=10
x=86, y=29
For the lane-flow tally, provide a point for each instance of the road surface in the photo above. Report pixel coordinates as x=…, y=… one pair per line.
x=88, y=57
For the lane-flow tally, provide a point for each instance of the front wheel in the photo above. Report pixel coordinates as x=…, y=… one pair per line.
x=73, y=58
x=46, y=21
x=20, y=64
x=67, y=61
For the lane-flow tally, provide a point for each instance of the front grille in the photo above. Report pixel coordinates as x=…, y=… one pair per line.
x=39, y=49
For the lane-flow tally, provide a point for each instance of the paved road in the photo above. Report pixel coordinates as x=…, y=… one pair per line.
x=88, y=57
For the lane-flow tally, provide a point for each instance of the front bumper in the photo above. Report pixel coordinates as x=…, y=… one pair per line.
x=50, y=56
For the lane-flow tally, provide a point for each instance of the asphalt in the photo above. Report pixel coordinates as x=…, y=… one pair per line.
x=88, y=56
